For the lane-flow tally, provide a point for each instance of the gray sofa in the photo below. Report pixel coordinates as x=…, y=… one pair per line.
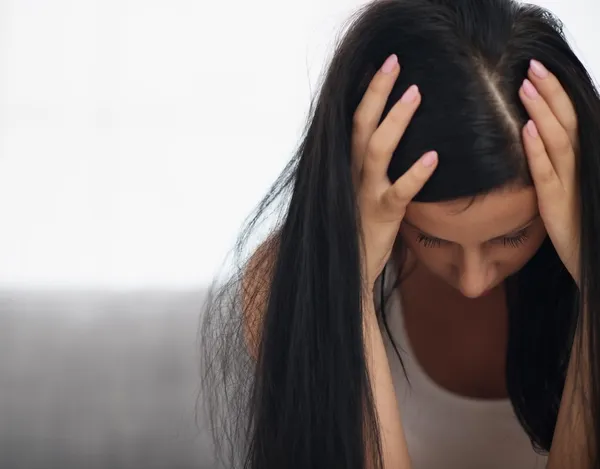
x=92, y=379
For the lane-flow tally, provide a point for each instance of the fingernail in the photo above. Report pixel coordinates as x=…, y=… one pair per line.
x=410, y=94
x=389, y=65
x=538, y=69
x=529, y=89
x=532, y=129
x=429, y=158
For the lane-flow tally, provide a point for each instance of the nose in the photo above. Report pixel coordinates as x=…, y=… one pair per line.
x=474, y=274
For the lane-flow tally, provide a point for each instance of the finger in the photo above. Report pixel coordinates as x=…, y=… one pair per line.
x=555, y=95
x=368, y=113
x=398, y=196
x=555, y=137
x=547, y=183
x=387, y=136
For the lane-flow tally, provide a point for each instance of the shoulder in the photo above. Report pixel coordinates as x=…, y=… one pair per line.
x=256, y=282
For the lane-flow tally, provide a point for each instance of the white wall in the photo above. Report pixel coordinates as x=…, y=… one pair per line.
x=136, y=135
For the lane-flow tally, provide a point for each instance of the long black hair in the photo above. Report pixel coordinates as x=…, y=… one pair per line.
x=303, y=400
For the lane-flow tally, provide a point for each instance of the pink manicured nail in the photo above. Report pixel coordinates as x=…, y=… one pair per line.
x=389, y=64
x=410, y=94
x=530, y=89
x=532, y=129
x=429, y=158
x=538, y=69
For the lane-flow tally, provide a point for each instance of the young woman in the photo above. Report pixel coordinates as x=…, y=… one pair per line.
x=431, y=296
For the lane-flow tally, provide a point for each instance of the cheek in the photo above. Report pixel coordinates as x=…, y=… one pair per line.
x=513, y=261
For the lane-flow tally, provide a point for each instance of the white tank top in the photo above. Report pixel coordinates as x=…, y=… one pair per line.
x=447, y=431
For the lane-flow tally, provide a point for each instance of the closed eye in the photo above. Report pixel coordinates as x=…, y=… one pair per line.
x=513, y=241
x=429, y=242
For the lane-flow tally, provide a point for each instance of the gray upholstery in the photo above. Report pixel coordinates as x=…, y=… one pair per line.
x=100, y=380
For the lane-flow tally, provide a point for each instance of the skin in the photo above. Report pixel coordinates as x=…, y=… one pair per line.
x=550, y=142
x=460, y=253
x=474, y=247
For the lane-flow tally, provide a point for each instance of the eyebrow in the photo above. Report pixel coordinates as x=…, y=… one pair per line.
x=515, y=231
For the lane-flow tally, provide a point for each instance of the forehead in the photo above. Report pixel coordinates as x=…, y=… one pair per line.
x=475, y=220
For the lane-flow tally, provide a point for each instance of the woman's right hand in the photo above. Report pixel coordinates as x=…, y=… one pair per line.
x=382, y=205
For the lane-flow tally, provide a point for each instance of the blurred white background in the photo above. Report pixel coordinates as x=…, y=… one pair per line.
x=137, y=135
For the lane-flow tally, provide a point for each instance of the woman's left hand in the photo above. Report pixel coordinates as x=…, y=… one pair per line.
x=551, y=145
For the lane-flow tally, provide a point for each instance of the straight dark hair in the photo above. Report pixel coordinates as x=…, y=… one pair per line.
x=304, y=401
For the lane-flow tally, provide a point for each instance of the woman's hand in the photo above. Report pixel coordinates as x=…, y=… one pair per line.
x=551, y=144
x=381, y=204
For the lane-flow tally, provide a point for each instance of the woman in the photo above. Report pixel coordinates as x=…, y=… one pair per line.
x=420, y=303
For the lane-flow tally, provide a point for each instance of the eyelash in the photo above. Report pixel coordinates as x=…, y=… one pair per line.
x=508, y=241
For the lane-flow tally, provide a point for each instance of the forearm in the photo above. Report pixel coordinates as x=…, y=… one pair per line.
x=393, y=442
x=570, y=448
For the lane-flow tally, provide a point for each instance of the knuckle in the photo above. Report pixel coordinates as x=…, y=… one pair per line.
x=392, y=199
x=400, y=193
x=395, y=200
x=571, y=120
x=375, y=148
x=546, y=175
x=379, y=86
x=572, y=125
x=358, y=119
x=406, y=184
x=358, y=145
x=553, y=86
x=364, y=121
x=415, y=176
x=398, y=115
x=562, y=142
x=363, y=111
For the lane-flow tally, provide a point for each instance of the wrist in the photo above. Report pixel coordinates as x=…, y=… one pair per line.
x=368, y=304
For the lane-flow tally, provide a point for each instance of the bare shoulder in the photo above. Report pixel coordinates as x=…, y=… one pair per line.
x=256, y=281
